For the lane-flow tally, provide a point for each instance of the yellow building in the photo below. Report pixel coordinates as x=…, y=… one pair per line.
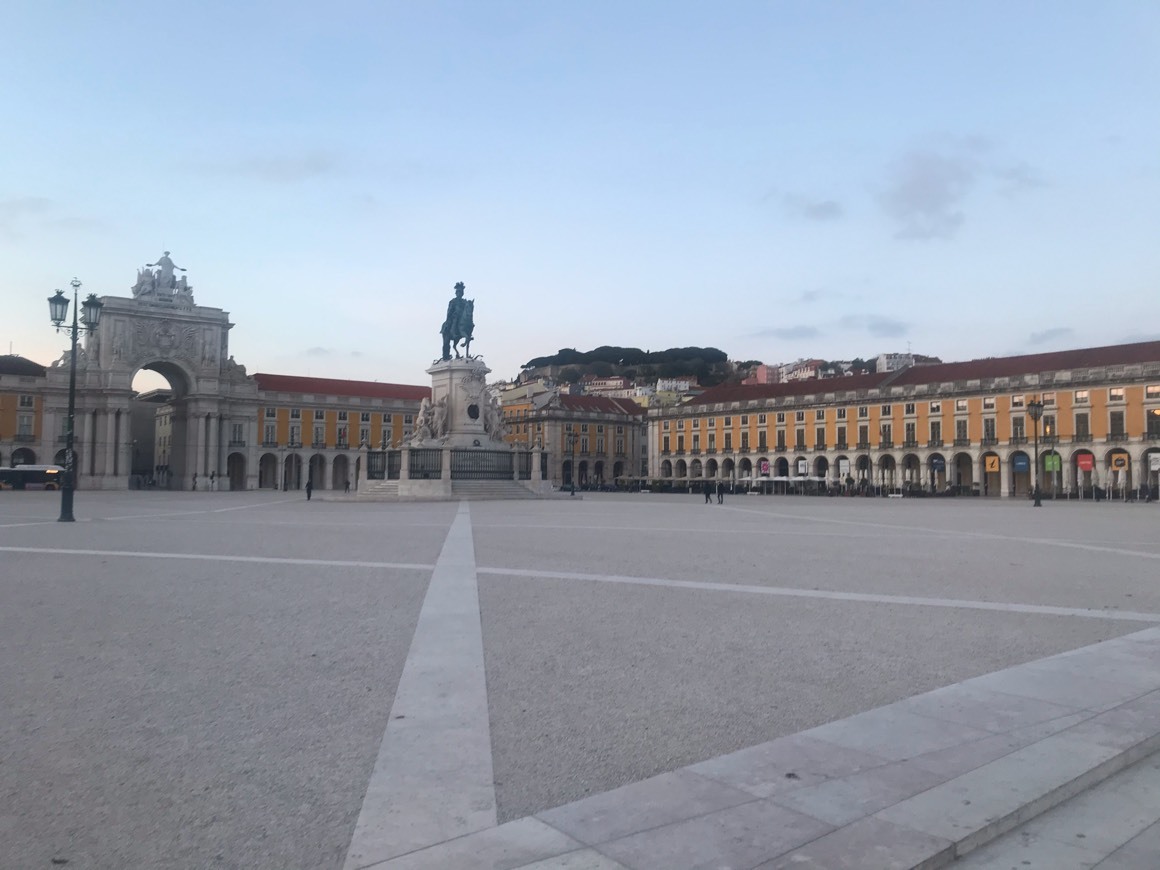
x=21, y=410
x=963, y=427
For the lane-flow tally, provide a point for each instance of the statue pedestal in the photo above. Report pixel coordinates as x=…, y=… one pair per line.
x=463, y=383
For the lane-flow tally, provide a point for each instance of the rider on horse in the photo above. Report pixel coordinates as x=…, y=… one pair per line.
x=458, y=326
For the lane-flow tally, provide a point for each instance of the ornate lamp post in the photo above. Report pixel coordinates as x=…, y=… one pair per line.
x=1035, y=411
x=58, y=311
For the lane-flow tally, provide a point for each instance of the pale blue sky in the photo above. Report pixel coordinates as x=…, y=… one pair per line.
x=774, y=179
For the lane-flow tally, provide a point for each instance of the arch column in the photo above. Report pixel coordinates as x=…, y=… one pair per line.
x=110, y=468
x=214, y=451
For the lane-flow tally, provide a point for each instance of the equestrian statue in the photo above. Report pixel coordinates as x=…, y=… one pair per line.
x=459, y=324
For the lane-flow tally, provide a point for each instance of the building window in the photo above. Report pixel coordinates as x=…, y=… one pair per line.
x=820, y=436
x=911, y=432
x=841, y=436
x=342, y=416
x=583, y=443
x=886, y=411
x=408, y=419
x=841, y=413
x=820, y=414
x=1116, y=394
x=712, y=441
x=1082, y=426
x=960, y=430
x=364, y=435
x=728, y=440
x=863, y=412
x=961, y=405
x=319, y=434
x=665, y=444
x=387, y=419
x=763, y=444
x=863, y=435
x=599, y=429
x=619, y=430
x=1082, y=397
x=1017, y=428
x=780, y=417
x=237, y=432
x=270, y=435
x=909, y=409
x=583, y=427
x=744, y=440
x=619, y=446
x=1152, y=421
x=664, y=426
x=295, y=413
x=761, y=417
x=24, y=424
x=696, y=441
x=1152, y=391
x=680, y=443
x=27, y=402
x=296, y=435
x=744, y=419
x=988, y=428
x=271, y=413
x=936, y=430
x=728, y=421
x=1017, y=401
x=1048, y=399
x=319, y=415
x=936, y=407
x=1117, y=421
x=599, y=445
x=800, y=417
x=712, y=422
x=1049, y=425
x=799, y=439
x=886, y=433
x=988, y=403
x=781, y=438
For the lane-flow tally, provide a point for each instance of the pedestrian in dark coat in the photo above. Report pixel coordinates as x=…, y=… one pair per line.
x=708, y=490
x=309, y=488
x=720, y=492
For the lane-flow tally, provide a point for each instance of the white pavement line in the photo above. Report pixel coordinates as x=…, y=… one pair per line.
x=1039, y=609
x=990, y=536
x=29, y=523
x=161, y=516
x=215, y=557
x=433, y=779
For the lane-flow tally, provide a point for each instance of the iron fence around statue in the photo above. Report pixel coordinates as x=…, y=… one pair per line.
x=524, y=463
x=376, y=464
x=426, y=463
x=394, y=464
x=471, y=464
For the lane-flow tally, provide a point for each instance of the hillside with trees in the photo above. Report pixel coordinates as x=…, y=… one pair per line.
x=708, y=365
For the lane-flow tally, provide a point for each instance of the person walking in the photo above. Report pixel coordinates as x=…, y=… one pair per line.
x=195, y=481
x=347, y=488
x=309, y=488
x=708, y=490
x=720, y=492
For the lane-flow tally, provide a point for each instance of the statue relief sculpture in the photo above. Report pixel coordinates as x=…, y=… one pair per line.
x=459, y=324
x=162, y=284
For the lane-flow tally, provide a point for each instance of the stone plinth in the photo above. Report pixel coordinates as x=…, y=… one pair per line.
x=462, y=383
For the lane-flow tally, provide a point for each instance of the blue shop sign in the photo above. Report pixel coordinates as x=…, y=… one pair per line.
x=1020, y=463
x=938, y=463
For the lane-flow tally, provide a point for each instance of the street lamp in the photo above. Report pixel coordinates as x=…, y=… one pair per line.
x=1035, y=411
x=58, y=311
x=572, y=448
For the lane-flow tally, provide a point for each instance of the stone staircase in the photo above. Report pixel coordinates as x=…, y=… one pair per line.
x=488, y=490
x=378, y=490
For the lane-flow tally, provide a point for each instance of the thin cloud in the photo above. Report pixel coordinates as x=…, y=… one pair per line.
x=925, y=193
x=813, y=209
x=1052, y=334
x=1018, y=178
x=318, y=351
x=277, y=168
x=788, y=333
x=876, y=325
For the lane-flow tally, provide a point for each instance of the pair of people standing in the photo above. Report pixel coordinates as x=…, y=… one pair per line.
x=708, y=490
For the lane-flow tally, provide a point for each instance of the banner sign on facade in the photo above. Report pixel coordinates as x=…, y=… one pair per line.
x=1120, y=461
x=1085, y=462
x=1154, y=461
x=937, y=463
x=991, y=463
x=763, y=467
x=844, y=465
x=803, y=467
x=1020, y=462
x=1053, y=462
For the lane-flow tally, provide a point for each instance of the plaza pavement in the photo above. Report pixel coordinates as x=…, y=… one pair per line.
x=251, y=680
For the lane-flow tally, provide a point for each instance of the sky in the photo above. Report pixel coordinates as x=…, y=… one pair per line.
x=778, y=180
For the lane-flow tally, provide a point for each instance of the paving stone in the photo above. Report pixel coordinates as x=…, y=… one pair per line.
x=966, y=757
x=976, y=806
x=983, y=708
x=585, y=859
x=507, y=847
x=1139, y=853
x=895, y=733
x=869, y=844
x=660, y=800
x=849, y=798
x=1124, y=726
x=1030, y=853
x=737, y=838
x=785, y=764
x=1071, y=682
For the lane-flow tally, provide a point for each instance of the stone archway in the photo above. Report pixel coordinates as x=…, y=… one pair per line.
x=710, y=467
x=292, y=472
x=964, y=473
x=268, y=471
x=667, y=468
x=340, y=473
x=316, y=471
x=23, y=456
x=236, y=471
x=158, y=328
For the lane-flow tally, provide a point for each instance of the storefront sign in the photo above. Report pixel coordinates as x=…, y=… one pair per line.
x=991, y=463
x=1085, y=462
x=1154, y=461
x=1053, y=462
x=803, y=467
x=763, y=467
x=1119, y=461
x=937, y=463
x=1020, y=462
x=844, y=465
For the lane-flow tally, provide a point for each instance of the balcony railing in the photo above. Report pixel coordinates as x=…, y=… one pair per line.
x=1117, y=437
x=989, y=441
x=863, y=445
x=1152, y=436
x=962, y=442
x=23, y=438
x=1081, y=438
x=665, y=452
x=800, y=446
x=295, y=445
x=841, y=445
x=696, y=451
x=342, y=444
x=910, y=444
x=727, y=450
x=318, y=445
x=934, y=442
x=269, y=443
x=1017, y=439
x=780, y=448
x=237, y=443
x=711, y=450
x=820, y=446
x=885, y=444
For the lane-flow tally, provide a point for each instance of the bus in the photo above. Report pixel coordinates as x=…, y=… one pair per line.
x=32, y=477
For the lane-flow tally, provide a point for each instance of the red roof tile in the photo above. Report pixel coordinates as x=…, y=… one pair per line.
x=335, y=387
x=752, y=392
